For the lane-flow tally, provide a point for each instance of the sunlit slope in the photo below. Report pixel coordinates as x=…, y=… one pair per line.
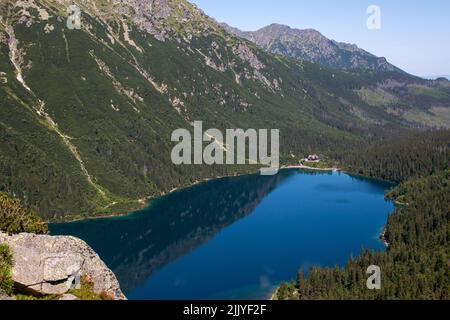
x=87, y=115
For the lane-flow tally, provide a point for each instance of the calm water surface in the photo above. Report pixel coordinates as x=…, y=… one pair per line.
x=237, y=238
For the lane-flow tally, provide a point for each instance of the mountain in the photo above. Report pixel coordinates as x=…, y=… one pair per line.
x=311, y=45
x=86, y=115
x=399, y=93
x=440, y=77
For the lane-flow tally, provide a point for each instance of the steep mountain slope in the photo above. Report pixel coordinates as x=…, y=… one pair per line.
x=420, y=102
x=86, y=116
x=311, y=45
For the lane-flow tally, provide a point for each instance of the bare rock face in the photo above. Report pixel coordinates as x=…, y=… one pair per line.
x=46, y=264
x=311, y=45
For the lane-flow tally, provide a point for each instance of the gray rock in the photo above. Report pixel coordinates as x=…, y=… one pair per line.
x=311, y=45
x=68, y=297
x=46, y=264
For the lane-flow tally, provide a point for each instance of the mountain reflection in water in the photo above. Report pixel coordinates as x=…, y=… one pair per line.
x=238, y=237
x=137, y=245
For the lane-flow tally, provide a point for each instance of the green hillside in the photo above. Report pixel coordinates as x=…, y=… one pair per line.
x=86, y=115
x=415, y=265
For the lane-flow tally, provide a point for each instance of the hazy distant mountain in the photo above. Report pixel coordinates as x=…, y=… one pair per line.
x=436, y=77
x=311, y=45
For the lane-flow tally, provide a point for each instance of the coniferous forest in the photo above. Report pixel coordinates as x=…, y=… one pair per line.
x=416, y=264
x=399, y=158
x=88, y=117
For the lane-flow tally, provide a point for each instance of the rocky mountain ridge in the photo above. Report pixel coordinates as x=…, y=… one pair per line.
x=87, y=114
x=311, y=45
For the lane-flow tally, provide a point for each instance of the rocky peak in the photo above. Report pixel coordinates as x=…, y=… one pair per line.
x=311, y=45
x=155, y=16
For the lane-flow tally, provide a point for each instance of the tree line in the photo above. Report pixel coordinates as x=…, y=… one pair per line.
x=416, y=264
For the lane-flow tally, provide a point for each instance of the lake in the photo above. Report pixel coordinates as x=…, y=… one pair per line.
x=238, y=237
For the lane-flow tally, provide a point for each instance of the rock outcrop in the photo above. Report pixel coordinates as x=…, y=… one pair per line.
x=311, y=45
x=44, y=264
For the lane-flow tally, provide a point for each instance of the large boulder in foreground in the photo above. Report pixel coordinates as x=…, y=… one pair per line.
x=44, y=264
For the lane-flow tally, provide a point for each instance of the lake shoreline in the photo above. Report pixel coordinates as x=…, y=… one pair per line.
x=180, y=233
x=301, y=166
x=145, y=202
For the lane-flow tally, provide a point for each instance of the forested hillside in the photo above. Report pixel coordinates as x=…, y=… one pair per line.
x=399, y=158
x=416, y=264
x=86, y=115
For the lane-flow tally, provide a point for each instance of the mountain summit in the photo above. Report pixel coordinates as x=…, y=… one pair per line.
x=311, y=45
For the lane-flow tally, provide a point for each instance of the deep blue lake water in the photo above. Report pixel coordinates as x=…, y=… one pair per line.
x=239, y=237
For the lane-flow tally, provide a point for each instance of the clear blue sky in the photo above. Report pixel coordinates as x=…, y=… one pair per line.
x=414, y=35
